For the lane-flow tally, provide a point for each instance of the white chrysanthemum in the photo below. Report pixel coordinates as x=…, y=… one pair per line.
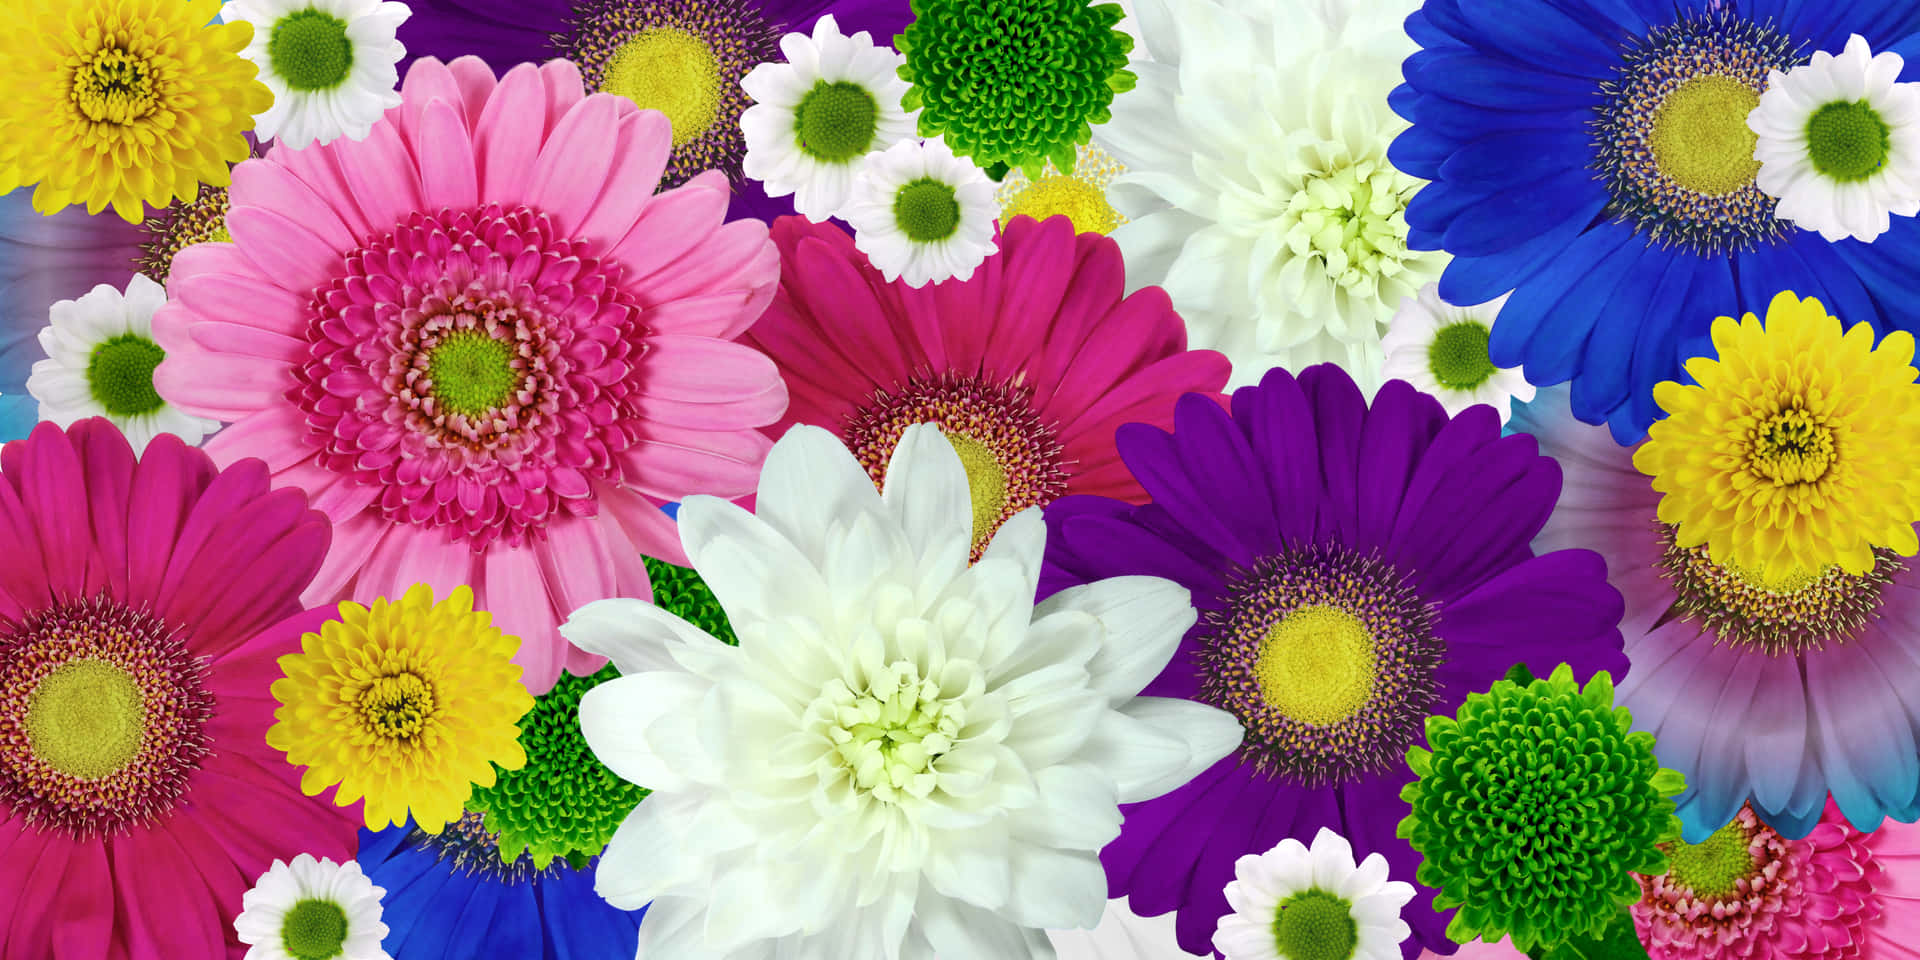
x=100, y=359
x=1838, y=140
x=1122, y=935
x=1257, y=182
x=1442, y=350
x=815, y=117
x=312, y=908
x=904, y=756
x=1298, y=903
x=332, y=65
x=921, y=214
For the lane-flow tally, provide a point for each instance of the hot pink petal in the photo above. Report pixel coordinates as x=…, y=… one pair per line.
x=32, y=862
x=84, y=906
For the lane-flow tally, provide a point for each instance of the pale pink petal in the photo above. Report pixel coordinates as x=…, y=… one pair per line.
x=674, y=462
x=262, y=435
x=426, y=81
x=646, y=527
x=382, y=176
x=447, y=177
x=354, y=542
x=515, y=592
x=247, y=299
x=270, y=186
x=320, y=168
x=662, y=233
x=735, y=413
x=704, y=370
x=563, y=90
x=645, y=140
x=217, y=385
x=572, y=166
x=291, y=254
x=510, y=132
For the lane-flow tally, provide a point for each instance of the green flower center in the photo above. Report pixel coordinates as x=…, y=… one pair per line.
x=1458, y=357
x=314, y=930
x=310, y=50
x=1317, y=666
x=120, y=375
x=1314, y=925
x=396, y=707
x=1711, y=868
x=1354, y=220
x=836, y=122
x=86, y=719
x=1700, y=136
x=472, y=373
x=926, y=210
x=1848, y=141
x=671, y=71
x=986, y=482
x=888, y=735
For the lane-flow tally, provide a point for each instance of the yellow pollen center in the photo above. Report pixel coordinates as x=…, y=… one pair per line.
x=1081, y=202
x=86, y=719
x=671, y=71
x=1789, y=447
x=1317, y=665
x=1700, y=136
x=986, y=483
x=397, y=707
x=115, y=86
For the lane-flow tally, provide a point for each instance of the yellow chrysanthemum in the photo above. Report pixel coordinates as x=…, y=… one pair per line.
x=123, y=101
x=408, y=704
x=1080, y=196
x=1796, y=451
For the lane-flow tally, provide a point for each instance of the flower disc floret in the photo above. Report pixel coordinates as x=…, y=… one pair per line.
x=309, y=49
x=1534, y=807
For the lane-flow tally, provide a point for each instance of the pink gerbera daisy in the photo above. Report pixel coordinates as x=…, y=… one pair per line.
x=1027, y=367
x=143, y=606
x=484, y=344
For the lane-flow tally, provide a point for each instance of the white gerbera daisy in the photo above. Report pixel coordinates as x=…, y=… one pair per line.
x=1257, y=182
x=1298, y=903
x=1838, y=140
x=331, y=64
x=816, y=116
x=1122, y=935
x=100, y=360
x=904, y=755
x=1442, y=350
x=312, y=909
x=921, y=214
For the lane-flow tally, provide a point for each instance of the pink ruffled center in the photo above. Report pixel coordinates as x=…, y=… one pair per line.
x=536, y=343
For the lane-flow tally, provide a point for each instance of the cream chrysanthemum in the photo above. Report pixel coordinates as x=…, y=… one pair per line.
x=100, y=361
x=817, y=115
x=1300, y=903
x=904, y=755
x=921, y=214
x=1838, y=140
x=1257, y=179
x=331, y=64
x=312, y=910
x=1793, y=451
x=1122, y=934
x=1442, y=350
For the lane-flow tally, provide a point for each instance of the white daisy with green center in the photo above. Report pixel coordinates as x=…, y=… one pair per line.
x=1442, y=350
x=331, y=64
x=921, y=214
x=1302, y=903
x=1838, y=140
x=816, y=116
x=100, y=359
x=312, y=910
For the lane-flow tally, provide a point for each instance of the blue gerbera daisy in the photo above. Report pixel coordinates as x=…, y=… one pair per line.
x=1592, y=157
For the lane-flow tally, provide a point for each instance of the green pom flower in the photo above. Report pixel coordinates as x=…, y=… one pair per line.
x=681, y=592
x=1014, y=83
x=563, y=803
x=1535, y=807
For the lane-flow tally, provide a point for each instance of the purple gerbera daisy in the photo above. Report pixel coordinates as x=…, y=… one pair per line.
x=684, y=58
x=1356, y=570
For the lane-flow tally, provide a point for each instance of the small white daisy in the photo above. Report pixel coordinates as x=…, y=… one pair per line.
x=1442, y=350
x=331, y=65
x=311, y=909
x=100, y=360
x=1839, y=143
x=816, y=116
x=921, y=214
x=1298, y=903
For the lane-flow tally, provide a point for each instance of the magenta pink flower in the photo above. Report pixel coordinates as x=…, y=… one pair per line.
x=484, y=344
x=143, y=608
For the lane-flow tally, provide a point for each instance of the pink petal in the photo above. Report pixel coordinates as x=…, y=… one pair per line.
x=270, y=186
x=674, y=462
x=107, y=461
x=222, y=386
x=640, y=153
x=739, y=412
x=447, y=177
x=646, y=527
x=84, y=920
x=477, y=82
x=382, y=176
x=242, y=340
x=272, y=435
x=669, y=221
x=573, y=165
x=167, y=482
x=47, y=483
x=32, y=864
x=704, y=370
x=563, y=88
x=233, y=298
x=426, y=81
x=515, y=592
x=408, y=555
x=320, y=168
x=737, y=256
x=509, y=135
x=294, y=256
x=354, y=541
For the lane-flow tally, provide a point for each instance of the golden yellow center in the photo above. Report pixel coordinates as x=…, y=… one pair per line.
x=86, y=719
x=397, y=707
x=986, y=483
x=1791, y=446
x=672, y=71
x=1317, y=665
x=1079, y=201
x=1700, y=136
x=115, y=86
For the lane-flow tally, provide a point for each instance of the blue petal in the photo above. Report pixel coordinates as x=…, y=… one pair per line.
x=1517, y=214
x=1837, y=286
x=1463, y=122
x=487, y=913
x=1474, y=79
x=1658, y=357
x=1535, y=33
x=379, y=846
x=672, y=510
x=1886, y=268
x=1555, y=353
x=1523, y=316
x=1510, y=156
x=580, y=925
x=1607, y=365
x=1469, y=280
x=1791, y=824
x=420, y=916
x=1438, y=204
x=1417, y=151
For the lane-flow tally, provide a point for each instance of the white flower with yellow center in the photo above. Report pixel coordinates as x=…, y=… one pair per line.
x=1838, y=140
x=904, y=756
x=817, y=115
x=312, y=910
x=332, y=65
x=921, y=214
x=1257, y=182
x=1299, y=903
x=1442, y=350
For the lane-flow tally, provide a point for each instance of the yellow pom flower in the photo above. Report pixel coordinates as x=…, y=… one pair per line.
x=408, y=704
x=123, y=101
x=1080, y=196
x=1796, y=451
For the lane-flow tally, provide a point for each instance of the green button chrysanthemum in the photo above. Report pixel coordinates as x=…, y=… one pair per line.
x=681, y=592
x=1014, y=83
x=563, y=803
x=1534, y=807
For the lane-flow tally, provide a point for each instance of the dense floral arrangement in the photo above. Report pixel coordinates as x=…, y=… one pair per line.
x=959, y=480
